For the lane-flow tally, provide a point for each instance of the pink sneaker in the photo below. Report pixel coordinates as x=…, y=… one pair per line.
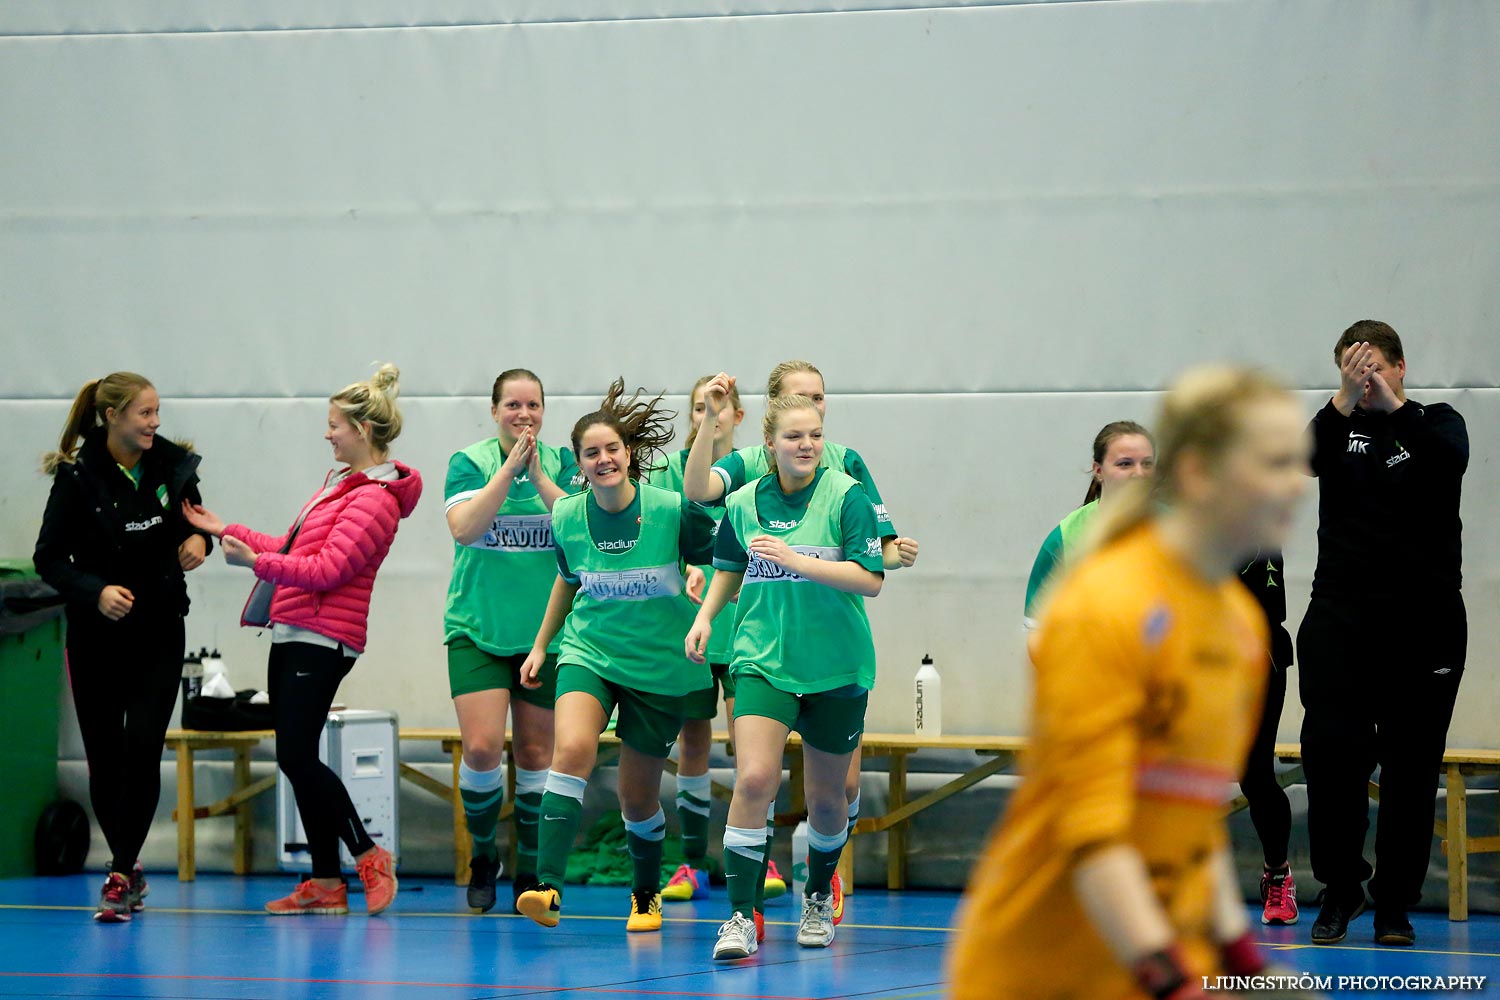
x=377, y=870
x=1279, y=893
x=309, y=897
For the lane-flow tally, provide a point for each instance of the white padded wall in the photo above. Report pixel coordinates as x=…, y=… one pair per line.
x=995, y=227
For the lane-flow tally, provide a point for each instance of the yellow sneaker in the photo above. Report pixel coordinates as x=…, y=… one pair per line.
x=645, y=911
x=542, y=904
x=687, y=883
x=775, y=884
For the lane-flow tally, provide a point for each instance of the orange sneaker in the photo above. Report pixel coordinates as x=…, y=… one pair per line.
x=309, y=897
x=377, y=870
x=838, y=899
x=760, y=926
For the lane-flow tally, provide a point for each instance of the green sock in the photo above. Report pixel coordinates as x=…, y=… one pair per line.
x=821, y=864
x=482, y=792
x=529, y=788
x=744, y=868
x=645, y=840
x=561, y=814
x=692, y=813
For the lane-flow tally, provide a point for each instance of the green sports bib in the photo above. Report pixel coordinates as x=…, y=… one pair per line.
x=630, y=616
x=802, y=637
x=721, y=643
x=498, y=592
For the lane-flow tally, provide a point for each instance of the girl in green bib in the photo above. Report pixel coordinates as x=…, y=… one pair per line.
x=696, y=739
x=802, y=546
x=1123, y=451
x=707, y=484
x=619, y=598
x=499, y=498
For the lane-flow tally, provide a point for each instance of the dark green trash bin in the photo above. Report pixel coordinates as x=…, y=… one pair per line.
x=31, y=678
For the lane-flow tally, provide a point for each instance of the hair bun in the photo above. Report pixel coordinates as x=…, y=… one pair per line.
x=387, y=379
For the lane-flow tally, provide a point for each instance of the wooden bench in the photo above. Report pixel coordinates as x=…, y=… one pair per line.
x=996, y=753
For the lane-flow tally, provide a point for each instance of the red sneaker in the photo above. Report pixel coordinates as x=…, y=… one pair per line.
x=1279, y=893
x=309, y=897
x=138, y=888
x=114, y=900
x=760, y=926
x=838, y=899
x=377, y=870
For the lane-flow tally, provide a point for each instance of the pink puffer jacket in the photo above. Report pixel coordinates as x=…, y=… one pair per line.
x=324, y=582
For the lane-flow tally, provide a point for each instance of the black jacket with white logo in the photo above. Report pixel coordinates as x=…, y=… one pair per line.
x=1389, y=489
x=99, y=529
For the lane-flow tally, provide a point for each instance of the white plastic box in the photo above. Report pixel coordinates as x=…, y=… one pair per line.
x=362, y=748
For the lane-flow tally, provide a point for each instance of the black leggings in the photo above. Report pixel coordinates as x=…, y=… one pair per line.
x=1270, y=810
x=303, y=679
x=124, y=677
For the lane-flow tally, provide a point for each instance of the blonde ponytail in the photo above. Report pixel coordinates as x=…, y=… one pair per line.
x=1203, y=412
x=778, y=407
x=373, y=401
x=97, y=397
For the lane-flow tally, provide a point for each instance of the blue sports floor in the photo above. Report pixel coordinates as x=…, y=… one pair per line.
x=208, y=939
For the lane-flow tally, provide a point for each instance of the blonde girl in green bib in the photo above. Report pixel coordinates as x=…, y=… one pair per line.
x=499, y=496
x=802, y=547
x=619, y=599
x=696, y=740
x=707, y=483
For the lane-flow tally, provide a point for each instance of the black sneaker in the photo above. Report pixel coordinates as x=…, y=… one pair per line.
x=1339, y=907
x=524, y=882
x=482, y=872
x=1392, y=928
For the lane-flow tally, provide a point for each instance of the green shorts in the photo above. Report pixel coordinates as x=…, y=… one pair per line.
x=705, y=704
x=471, y=669
x=648, y=723
x=830, y=721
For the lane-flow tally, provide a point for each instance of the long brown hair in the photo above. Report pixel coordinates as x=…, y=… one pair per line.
x=734, y=401
x=1106, y=437
x=112, y=392
x=643, y=425
x=1203, y=412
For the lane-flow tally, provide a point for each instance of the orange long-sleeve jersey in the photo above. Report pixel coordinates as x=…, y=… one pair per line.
x=1149, y=683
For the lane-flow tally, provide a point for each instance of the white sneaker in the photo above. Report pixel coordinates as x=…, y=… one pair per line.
x=816, y=928
x=736, y=939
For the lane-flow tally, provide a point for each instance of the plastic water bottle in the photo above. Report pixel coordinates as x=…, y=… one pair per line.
x=799, y=860
x=192, y=674
x=213, y=663
x=929, y=700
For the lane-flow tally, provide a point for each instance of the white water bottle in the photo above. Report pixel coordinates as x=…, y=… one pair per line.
x=213, y=663
x=799, y=860
x=929, y=700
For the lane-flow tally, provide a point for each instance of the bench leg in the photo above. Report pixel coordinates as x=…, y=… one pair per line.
x=187, y=868
x=243, y=850
x=895, y=845
x=1458, y=845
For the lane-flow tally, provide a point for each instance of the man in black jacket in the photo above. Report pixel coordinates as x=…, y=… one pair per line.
x=1383, y=643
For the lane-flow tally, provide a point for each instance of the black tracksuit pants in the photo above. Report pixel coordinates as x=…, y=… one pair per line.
x=1270, y=809
x=303, y=679
x=124, y=677
x=1378, y=680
